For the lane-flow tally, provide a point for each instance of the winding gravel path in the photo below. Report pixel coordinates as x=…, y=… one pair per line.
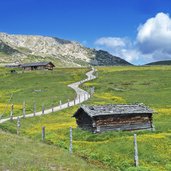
x=82, y=96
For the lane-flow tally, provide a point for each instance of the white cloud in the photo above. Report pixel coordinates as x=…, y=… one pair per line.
x=131, y=55
x=121, y=47
x=111, y=42
x=155, y=35
x=153, y=42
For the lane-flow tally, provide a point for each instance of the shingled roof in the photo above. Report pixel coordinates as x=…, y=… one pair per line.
x=36, y=64
x=114, y=109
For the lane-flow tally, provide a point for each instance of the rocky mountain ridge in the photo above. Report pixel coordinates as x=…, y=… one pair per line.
x=28, y=48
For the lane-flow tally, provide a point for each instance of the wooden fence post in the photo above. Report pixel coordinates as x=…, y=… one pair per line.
x=34, y=109
x=24, y=109
x=52, y=108
x=68, y=102
x=12, y=112
x=70, y=146
x=96, y=74
x=60, y=103
x=92, y=90
x=153, y=127
x=18, y=125
x=135, y=151
x=43, y=133
x=43, y=109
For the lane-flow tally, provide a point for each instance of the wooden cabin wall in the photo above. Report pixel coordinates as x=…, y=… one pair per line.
x=27, y=68
x=49, y=66
x=124, y=122
x=84, y=121
x=40, y=68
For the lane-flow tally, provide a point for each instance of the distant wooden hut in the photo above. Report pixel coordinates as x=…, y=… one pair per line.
x=13, y=66
x=38, y=66
x=114, y=117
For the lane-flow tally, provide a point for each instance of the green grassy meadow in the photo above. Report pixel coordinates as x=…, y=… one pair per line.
x=114, y=150
x=21, y=153
x=39, y=87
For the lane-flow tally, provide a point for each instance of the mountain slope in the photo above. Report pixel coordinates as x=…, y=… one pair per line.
x=103, y=57
x=166, y=62
x=27, y=48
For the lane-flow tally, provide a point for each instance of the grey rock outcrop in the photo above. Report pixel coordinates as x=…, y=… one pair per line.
x=28, y=48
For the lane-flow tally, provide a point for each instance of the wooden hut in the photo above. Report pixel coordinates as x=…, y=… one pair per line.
x=13, y=66
x=114, y=117
x=38, y=66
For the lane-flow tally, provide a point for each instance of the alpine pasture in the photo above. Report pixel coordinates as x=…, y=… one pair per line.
x=113, y=150
x=40, y=87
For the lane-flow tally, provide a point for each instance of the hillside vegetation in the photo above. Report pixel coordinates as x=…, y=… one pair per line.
x=39, y=87
x=114, y=150
x=65, y=53
x=20, y=153
x=166, y=62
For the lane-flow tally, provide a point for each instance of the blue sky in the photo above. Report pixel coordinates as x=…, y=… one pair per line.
x=94, y=23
